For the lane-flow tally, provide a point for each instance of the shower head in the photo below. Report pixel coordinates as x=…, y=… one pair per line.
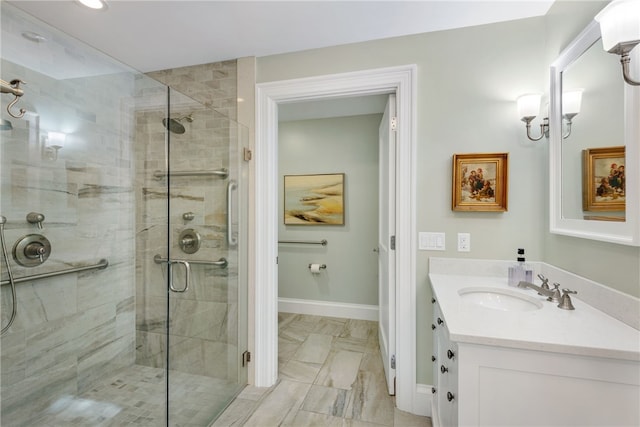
x=174, y=125
x=6, y=125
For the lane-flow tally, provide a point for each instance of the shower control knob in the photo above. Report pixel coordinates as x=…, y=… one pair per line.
x=189, y=241
x=32, y=250
x=35, y=250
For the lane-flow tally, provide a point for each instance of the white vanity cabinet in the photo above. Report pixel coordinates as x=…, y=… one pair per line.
x=445, y=372
x=496, y=380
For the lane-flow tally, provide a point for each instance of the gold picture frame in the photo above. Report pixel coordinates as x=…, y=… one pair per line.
x=603, y=179
x=480, y=182
x=314, y=199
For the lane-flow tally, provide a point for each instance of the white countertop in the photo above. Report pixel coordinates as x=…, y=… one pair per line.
x=584, y=331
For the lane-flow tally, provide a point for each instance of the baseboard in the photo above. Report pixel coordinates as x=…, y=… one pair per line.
x=422, y=400
x=328, y=308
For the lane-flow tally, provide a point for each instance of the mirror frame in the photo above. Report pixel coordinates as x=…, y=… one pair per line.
x=627, y=232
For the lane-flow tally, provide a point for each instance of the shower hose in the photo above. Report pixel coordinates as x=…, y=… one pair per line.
x=14, y=308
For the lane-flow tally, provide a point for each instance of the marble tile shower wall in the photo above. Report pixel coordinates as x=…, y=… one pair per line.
x=203, y=320
x=72, y=329
x=213, y=85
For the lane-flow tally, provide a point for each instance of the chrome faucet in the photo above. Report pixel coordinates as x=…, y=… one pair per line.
x=545, y=282
x=552, y=295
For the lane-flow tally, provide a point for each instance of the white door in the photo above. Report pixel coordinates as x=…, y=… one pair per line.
x=386, y=242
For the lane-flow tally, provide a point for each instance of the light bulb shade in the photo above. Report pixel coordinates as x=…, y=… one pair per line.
x=571, y=102
x=619, y=23
x=56, y=139
x=529, y=105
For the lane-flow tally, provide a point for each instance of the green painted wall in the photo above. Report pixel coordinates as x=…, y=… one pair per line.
x=346, y=145
x=468, y=80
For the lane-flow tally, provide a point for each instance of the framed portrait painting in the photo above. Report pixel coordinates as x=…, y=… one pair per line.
x=314, y=199
x=480, y=182
x=603, y=179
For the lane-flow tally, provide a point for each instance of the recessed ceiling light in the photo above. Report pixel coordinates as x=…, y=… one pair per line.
x=34, y=37
x=94, y=4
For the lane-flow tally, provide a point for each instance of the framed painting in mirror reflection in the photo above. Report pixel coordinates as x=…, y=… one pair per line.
x=603, y=179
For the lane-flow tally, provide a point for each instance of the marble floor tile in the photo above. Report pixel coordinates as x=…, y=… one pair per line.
x=303, y=372
x=311, y=419
x=314, y=349
x=236, y=414
x=253, y=393
x=285, y=319
x=340, y=369
x=355, y=344
x=370, y=400
x=326, y=400
x=349, y=389
x=330, y=326
x=281, y=404
x=287, y=348
x=361, y=329
x=406, y=419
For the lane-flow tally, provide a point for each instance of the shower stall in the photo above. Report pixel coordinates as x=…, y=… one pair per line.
x=123, y=205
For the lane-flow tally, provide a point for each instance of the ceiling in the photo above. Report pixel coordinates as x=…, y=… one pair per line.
x=155, y=35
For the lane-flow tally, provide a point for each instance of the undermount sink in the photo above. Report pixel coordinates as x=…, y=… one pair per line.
x=499, y=299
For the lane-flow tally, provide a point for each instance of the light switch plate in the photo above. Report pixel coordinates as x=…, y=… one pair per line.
x=430, y=241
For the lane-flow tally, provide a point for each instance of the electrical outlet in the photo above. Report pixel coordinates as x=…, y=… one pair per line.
x=464, y=242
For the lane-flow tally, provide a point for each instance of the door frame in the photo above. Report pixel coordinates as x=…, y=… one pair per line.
x=402, y=81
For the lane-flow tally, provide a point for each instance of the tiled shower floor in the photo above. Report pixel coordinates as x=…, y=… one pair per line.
x=136, y=397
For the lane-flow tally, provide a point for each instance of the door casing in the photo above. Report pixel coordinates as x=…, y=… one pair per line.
x=400, y=80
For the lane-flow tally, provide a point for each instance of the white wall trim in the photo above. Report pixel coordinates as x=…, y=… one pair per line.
x=400, y=80
x=328, y=308
x=423, y=400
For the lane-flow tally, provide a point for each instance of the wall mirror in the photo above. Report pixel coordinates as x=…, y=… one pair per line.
x=594, y=179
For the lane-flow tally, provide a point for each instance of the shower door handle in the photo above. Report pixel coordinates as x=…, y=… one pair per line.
x=231, y=240
x=187, y=275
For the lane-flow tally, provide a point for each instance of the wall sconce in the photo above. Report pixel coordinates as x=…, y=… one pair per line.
x=571, y=103
x=51, y=144
x=620, y=29
x=529, y=109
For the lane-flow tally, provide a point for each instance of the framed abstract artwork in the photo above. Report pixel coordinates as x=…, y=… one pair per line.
x=314, y=199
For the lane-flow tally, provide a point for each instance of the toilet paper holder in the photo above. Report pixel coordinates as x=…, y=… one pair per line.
x=322, y=266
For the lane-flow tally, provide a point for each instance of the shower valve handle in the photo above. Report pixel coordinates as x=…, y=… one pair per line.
x=35, y=218
x=35, y=250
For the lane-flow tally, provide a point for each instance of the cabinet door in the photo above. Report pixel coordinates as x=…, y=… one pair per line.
x=451, y=393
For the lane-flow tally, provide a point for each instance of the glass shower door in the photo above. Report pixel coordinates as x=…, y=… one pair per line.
x=205, y=346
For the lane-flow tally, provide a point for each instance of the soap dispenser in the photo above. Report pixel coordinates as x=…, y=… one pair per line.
x=521, y=271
